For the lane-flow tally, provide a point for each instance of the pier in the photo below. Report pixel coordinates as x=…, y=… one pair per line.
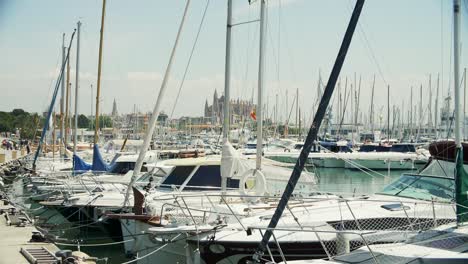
x=16, y=233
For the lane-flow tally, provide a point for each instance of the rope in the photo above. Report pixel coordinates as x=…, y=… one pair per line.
x=190, y=57
x=93, y=245
x=154, y=251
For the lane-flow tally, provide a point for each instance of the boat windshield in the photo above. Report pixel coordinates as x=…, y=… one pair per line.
x=421, y=187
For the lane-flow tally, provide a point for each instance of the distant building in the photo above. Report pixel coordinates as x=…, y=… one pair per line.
x=114, y=109
x=240, y=109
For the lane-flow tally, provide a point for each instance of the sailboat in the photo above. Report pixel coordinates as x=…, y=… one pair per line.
x=199, y=181
x=446, y=243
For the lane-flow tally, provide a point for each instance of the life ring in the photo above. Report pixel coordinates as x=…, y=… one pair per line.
x=260, y=185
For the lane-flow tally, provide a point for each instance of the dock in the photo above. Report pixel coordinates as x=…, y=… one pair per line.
x=14, y=238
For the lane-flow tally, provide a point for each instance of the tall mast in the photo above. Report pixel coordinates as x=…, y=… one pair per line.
x=227, y=82
x=420, y=113
x=411, y=113
x=464, y=103
x=313, y=131
x=276, y=114
x=62, y=97
x=388, y=113
x=429, y=116
x=372, y=108
x=456, y=71
x=77, y=76
x=227, y=73
x=460, y=173
x=261, y=72
x=52, y=103
x=436, y=114
x=297, y=107
x=67, y=104
x=98, y=89
x=91, y=115
x=154, y=115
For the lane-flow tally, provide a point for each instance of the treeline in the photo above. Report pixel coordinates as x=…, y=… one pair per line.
x=27, y=124
x=20, y=121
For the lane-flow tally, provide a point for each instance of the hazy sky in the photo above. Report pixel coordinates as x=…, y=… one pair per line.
x=402, y=42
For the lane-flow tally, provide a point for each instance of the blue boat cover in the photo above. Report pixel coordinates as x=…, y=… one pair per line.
x=79, y=165
x=98, y=163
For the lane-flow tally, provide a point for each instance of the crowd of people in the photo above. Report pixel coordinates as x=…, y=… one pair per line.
x=12, y=145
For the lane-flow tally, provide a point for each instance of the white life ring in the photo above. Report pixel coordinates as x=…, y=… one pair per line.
x=260, y=185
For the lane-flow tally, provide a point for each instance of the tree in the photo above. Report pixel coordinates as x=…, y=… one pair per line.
x=18, y=112
x=83, y=121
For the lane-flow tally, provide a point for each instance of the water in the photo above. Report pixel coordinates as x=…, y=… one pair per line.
x=354, y=181
x=330, y=180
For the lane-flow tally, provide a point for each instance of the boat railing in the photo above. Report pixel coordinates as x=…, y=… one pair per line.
x=373, y=246
x=334, y=242
x=405, y=216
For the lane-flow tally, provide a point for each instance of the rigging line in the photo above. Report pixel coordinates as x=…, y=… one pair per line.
x=366, y=41
x=52, y=78
x=249, y=33
x=275, y=56
x=450, y=62
x=279, y=46
x=93, y=245
x=289, y=50
x=152, y=252
x=442, y=42
x=190, y=57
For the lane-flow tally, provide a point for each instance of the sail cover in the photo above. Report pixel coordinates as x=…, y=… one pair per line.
x=98, y=163
x=461, y=188
x=232, y=165
x=79, y=165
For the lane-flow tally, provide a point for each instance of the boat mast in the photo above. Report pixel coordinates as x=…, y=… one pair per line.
x=62, y=98
x=98, y=89
x=51, y=107
x=460, y=173
x=261, y=72
x=227, y=82
x=411, y=114
x=154, y=115
x=456, y=69
x=67, y=104
x=436, y=114
x=388, y=114
x=313, y=131
x=372, y=108
x=77, y=76
x=464, y=103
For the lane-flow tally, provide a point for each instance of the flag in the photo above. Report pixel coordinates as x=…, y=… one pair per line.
x=253, y=114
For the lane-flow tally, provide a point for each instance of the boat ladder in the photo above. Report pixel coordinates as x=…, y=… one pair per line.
x=39, y=256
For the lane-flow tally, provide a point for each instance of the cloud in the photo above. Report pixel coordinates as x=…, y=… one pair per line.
x=144, y=76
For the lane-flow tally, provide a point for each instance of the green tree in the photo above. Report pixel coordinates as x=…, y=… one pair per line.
x=83, y=121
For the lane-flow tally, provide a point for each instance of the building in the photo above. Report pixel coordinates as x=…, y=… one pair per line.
x=240, y=109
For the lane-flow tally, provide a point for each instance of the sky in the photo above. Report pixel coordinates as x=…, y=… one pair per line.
x=401, y=42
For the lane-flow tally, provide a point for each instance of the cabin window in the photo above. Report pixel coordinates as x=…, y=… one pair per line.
x=421, y=187
x=209, y=176
x=403, y=148
x=178, y=176
x=367, y=148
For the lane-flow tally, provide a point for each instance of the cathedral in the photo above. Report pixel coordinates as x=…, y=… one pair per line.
x=240, y=109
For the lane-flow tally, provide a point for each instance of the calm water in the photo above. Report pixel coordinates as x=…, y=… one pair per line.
x=330, y=180
x=354, y=181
